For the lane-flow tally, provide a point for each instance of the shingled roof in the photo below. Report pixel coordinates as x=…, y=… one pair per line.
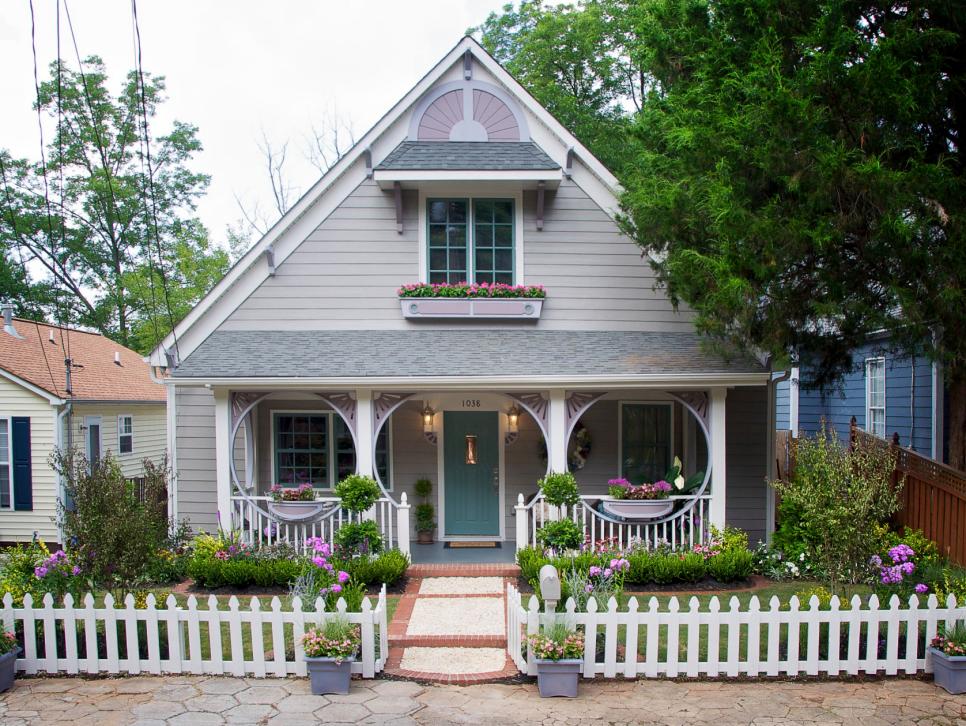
x=469, y=155
x=37, y=359
x=499, y=353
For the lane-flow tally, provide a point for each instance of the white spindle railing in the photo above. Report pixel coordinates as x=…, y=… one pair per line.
x=685, y=528
x=686, y=639
x=261, y=529
x=199, y=638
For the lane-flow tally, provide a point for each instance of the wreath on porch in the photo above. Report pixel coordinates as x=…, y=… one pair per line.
x=581, y=443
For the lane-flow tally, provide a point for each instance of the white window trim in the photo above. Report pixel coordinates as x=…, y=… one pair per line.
x=330, y=442
x=868, y=394
x=120, y=434
x=471, y=193
x=330, y=462
x=620, y=427
x=9, y=419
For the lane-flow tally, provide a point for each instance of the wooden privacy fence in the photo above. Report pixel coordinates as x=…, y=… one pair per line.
x=751, y=641
x=933, y=496
x=172, y=639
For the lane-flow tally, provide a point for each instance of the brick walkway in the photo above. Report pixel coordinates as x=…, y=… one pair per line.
x=199, y=700
x=446, y=645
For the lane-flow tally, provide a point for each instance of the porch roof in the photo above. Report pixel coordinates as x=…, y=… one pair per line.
x=478, y=155
x=494, y=353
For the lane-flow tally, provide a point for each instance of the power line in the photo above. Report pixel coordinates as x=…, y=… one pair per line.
x=147, y=148
x=64, y=318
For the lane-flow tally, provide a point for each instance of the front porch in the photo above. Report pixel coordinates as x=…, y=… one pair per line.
x=483, y=453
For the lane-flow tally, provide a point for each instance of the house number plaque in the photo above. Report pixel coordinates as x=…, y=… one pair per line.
x=471, y=403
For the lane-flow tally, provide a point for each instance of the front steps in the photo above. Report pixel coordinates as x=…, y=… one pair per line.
x=450, y=624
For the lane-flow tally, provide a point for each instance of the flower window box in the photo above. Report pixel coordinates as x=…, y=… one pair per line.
x=462, y=300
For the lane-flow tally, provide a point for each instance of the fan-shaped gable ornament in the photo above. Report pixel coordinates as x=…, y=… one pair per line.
x=468, y=111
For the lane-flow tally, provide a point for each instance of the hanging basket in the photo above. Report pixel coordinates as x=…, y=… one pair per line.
x=296, y=511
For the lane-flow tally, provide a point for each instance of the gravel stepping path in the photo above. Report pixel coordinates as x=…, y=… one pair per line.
x=454, y=660
x=458, y=616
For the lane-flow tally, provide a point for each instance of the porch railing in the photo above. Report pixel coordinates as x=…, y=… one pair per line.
x=261, y=529
x=684, y=528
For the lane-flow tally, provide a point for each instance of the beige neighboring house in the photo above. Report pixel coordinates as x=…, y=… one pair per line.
x=114, y=406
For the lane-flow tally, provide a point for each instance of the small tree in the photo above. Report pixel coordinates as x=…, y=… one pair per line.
x=106, y=523
x=839, y=496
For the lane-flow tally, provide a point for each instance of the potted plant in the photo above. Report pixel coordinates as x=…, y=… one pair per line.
x=647, y=501
x=949, y=659
x=329, y=652
x=9, y=650
x=358, y=493
x=558, y=651
x=294, y=504
x=425, y=512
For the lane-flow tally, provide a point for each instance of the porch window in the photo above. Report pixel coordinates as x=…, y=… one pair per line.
x=470, y=240
x=125, y=434
x=345, y=453
x=645, y=430
x=6, y=476
x=875, y=397
x=302, y=449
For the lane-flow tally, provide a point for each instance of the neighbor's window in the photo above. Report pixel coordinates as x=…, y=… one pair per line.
x=645, y=441
x=875, y=399
x=302, y=449
x=125, y=434
x=6, y=475
x=470, y=240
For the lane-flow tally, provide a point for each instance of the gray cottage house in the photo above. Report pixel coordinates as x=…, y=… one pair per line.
x=306, y=362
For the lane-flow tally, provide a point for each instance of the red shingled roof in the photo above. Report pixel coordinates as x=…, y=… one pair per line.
x=99, y=378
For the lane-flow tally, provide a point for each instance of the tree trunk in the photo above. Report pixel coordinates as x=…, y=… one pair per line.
x=957, y=423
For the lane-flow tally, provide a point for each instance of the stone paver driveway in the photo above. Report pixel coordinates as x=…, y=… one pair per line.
x=197, y=701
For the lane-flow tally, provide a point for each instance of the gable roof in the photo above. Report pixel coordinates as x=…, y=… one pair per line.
x=473, y=155
x=339, y=181
x=96, y=378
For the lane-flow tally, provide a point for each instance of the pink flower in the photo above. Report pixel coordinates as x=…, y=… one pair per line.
x=922, y=588
x=336, y=588
x=343, y=576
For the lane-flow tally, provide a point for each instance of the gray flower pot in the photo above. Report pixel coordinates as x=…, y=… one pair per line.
x=8, y=663
x=558, y=677
x=327, y=676
x=949, y=671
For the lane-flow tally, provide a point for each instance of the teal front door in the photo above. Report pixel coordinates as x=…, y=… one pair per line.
x=471, y=471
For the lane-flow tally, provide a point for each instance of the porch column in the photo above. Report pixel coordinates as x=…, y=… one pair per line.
x=718, y=397
x=223, y=452
x=557, y=429
x=364, y=463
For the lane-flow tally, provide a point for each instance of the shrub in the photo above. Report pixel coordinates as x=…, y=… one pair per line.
x=530, y=560
x=425, y=517
x=841, y=495
x=671, y=568
x=20, y=573
x=641, y=571
x=560, y=489
x=357, y=492
x=731, y=565
x=114, y=533
x=358, y=538
x=823, y=595
x=561, y=535
x=387, y=567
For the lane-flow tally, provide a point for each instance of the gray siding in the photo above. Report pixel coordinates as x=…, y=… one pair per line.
x=346, y=273
x=195, y=421
x=745, y=451
x=782, y=404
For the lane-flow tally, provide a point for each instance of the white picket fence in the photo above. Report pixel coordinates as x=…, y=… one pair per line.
x=174, y=639
x=751, y=641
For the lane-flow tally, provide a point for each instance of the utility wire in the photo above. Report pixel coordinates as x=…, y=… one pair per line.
x=63, y=309
x=147, y=147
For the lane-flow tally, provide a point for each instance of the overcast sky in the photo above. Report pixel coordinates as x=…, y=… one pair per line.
x=235, y=68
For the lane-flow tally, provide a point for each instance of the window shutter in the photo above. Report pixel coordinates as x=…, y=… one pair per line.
x=23, y=496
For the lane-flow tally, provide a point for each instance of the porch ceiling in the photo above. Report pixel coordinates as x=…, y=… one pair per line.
x=497, y=354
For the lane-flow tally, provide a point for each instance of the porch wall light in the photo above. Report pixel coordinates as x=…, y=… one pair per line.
x=512, y=419
x=428, y=413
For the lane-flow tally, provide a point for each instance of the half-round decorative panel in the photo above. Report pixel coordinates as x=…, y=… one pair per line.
x=441, y=116
x=494, y=115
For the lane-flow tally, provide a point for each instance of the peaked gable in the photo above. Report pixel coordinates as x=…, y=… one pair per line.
x=496, y=95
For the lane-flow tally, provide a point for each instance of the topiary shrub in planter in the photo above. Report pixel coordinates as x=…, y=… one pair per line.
x=425, y=512
x=560, y=489
x=358, y=493
x=357, y=539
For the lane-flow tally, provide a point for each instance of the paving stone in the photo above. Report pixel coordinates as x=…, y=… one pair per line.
x=350, y=712
x=250, y=713
x=302, y=704
x=262, y=694
x=210, y=703
x=224, y=686
x=197, y=719
x=397, y=688
x=158, y=709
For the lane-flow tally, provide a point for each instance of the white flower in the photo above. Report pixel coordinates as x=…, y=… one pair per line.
x=679, y=482
x=801, y=557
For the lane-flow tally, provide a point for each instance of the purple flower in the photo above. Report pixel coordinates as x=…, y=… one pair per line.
x=318, y=561
x=922, y=588
x=343, y=576
x=336, y=588
x=907, y=568
x=76, y=570
x=40, y=571
x=608, y=572
x=594, y=570
x=875, y=561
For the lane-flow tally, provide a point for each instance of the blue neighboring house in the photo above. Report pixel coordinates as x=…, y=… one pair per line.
x=887, y=393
